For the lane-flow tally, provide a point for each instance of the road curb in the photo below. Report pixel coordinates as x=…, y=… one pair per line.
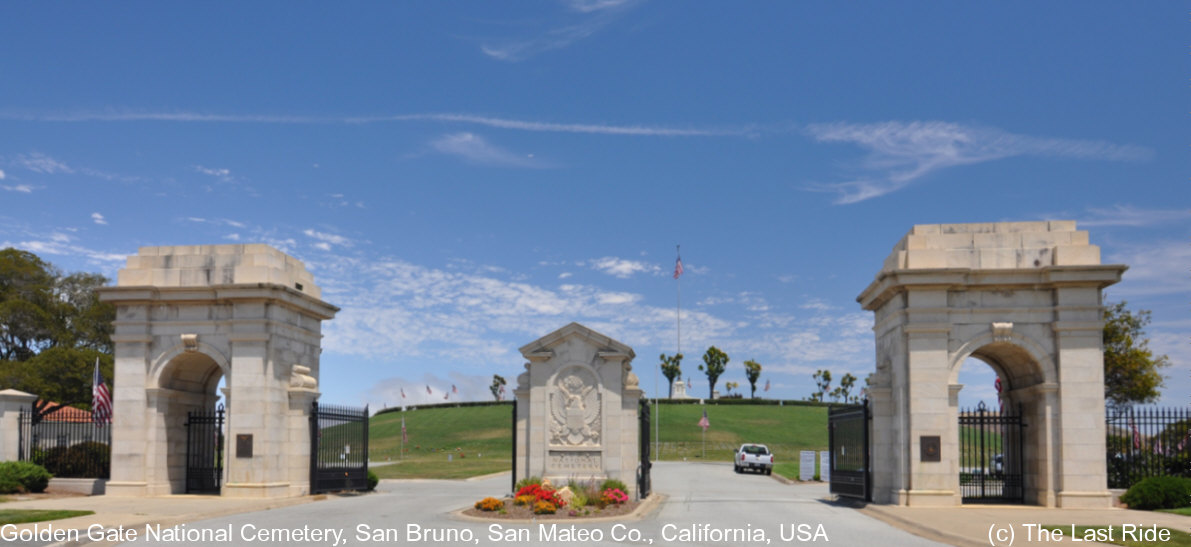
x=917, y=528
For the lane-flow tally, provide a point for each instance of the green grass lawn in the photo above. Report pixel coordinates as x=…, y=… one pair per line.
x=444, y=443
x=21, y=516
x=478, y=440
x=1180, y=511
x=1178, y=538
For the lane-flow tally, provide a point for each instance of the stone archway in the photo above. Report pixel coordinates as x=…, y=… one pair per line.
x=1021, y=296
x=188, y=316
x=185, y=384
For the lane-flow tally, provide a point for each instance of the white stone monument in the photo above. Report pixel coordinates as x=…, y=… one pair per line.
x=1023, y=297
x=188, y=316
x=577, y=408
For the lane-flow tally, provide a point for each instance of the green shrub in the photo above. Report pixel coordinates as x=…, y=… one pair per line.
x=1159, y=493
x=21, y=477
x=373, y=480
x=526, y=482
x=83, y=460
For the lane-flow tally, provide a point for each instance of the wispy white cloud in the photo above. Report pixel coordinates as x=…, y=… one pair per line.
x=62, y=244
x=475, y=148
x=98, y=219
x=2, y=175
x=326, y=240
x=587, y=17
x=489, y=121
x=903, y=152
x=1128, y=215
x=216, y=221
x=224, y=175
x=621, y=267
x=1154, y=269
x=589, y=6
x=584, y=128
x=41, y=163
x=22, y=188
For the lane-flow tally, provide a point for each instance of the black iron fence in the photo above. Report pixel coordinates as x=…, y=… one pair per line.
x=67, y=448
x=338, y=448
x=1147, y=442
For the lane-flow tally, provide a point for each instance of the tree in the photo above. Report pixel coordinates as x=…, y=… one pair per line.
x=59, y=377
x=823, y=382
x=1132, y=373
x=752, y=371
x=52, y=329
x=729, y=386
x=26, y=304
x=845, y=387
x=714, y=363
x=498, y=382
x=671, y=368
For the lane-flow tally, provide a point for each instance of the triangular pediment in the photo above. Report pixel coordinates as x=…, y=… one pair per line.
x=602, y=342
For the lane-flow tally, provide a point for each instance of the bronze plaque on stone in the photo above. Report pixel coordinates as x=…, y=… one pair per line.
x=931, y=446
x=244, y=445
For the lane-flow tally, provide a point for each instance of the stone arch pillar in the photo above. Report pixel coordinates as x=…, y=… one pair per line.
x=188, y=316
x=1022, y=296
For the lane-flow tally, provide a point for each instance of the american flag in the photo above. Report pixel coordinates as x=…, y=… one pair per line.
x=678, y=267
x=453, y=390
x=703, y=422
x=101, y=398
x=428, y=392
x=402, y=393
x=766, y=385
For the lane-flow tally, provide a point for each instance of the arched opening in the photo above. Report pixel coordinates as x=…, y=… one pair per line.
x=1000, y=455
x=189, y=387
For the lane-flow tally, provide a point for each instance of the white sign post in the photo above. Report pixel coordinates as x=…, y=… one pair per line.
x=824, y=466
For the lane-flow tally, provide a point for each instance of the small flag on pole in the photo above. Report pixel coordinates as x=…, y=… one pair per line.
x=402, y=393
x=703, y=422
x=404, y=437
x=453, y=390
x=678, y=267
x=766, y=385
x=101, y=398
x=502, y=392
x=428, y=392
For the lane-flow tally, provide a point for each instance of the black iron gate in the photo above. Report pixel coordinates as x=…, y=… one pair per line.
x=204, y=451
x=991, y=456
x=644, y=486
x=338, y=448
x=847, y=435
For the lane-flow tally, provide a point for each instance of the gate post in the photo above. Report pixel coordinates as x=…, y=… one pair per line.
x=12, y=403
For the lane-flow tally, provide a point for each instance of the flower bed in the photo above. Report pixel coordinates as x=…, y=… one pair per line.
x=537, y=499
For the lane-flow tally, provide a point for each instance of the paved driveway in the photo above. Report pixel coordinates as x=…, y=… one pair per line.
x=707, y=504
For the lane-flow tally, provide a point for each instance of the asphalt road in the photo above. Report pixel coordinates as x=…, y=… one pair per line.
x=706, y=504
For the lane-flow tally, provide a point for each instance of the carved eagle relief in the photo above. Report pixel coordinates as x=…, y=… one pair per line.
x=575, y=409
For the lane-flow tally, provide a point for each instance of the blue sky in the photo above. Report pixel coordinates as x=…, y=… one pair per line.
x=465, y=177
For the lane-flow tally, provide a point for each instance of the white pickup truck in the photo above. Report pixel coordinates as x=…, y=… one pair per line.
x=753, y=456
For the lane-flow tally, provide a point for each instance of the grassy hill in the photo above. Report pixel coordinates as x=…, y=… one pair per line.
x=478, y=439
